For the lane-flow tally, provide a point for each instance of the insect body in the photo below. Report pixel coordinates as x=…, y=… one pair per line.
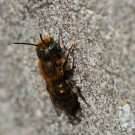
x=48, y=53
x=52, y=66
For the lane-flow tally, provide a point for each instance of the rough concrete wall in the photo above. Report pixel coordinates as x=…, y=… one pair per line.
x=105, y=66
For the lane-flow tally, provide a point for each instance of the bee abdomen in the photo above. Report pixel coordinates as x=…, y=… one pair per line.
x=67, y=103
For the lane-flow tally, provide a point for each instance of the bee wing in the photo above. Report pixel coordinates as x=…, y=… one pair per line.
x=58, y=110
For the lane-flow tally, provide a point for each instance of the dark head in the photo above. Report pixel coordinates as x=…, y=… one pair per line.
x=47, y=47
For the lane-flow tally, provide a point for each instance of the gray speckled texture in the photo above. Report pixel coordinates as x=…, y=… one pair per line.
x=105, y=37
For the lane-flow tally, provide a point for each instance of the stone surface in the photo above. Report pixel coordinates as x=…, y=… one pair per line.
x=104, y=32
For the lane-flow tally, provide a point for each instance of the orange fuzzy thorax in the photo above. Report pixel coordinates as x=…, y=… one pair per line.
x=46, y=77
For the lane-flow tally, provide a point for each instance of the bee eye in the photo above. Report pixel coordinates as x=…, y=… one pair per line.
x=40, y=52
x=43, y=52
x=51, y=46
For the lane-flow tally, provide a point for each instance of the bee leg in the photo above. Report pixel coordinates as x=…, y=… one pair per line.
x=69, y=51
x=79, y=94
x=77, y=91
x=61, y=50
x=69, y=72
x=60, y=41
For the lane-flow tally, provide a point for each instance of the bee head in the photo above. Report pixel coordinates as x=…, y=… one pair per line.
x=46, y=47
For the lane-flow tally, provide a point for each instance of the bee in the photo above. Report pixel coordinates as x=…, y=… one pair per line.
x=52, y=63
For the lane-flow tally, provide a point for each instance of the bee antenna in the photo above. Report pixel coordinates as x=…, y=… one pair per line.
x=26, y=44
x=42, y=38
